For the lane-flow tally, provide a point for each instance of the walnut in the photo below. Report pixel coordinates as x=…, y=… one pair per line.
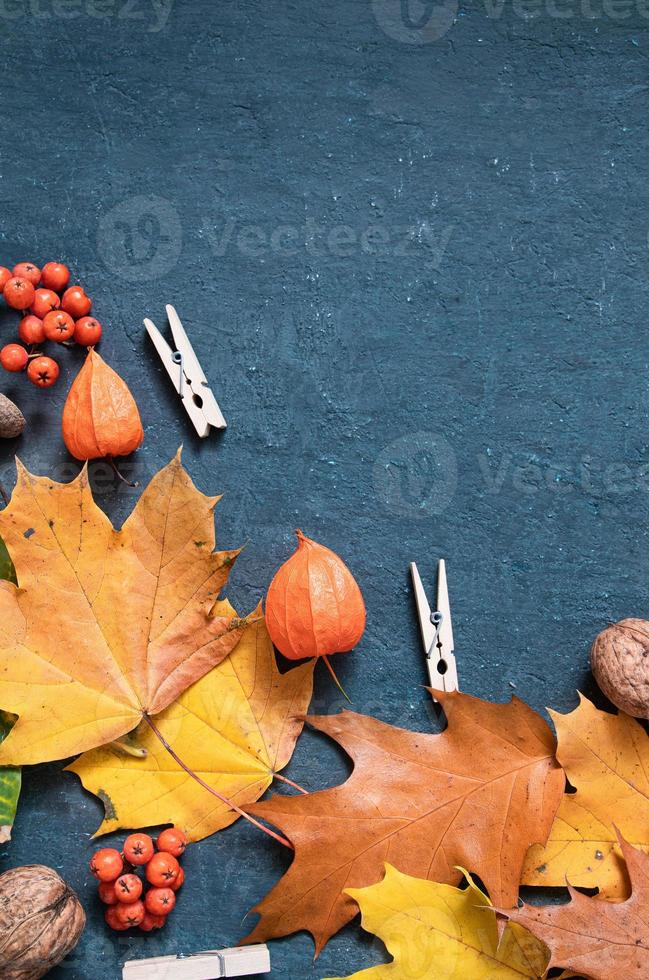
x=620, y=662
x=12, y=420
x=41, y=920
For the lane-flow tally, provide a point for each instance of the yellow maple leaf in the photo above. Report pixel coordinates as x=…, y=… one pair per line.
x=106, y=625
x=235, y=728
x=606, y=758
x=435, y=930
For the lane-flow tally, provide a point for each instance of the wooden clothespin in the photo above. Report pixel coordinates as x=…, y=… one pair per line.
x=240, y=961
x=436, y=631
x=184, y=369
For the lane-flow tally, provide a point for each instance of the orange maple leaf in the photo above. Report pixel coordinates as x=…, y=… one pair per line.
x=478, y=795
x=106, y=625
x=599, y=939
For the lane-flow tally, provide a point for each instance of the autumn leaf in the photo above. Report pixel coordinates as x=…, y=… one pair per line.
x=606, y=757
x=106, y=625
x=477, y=795
x=10, y=782
x=10, y=779
x=236, y=728
x=599, y=939
x=434, y=930
x=7, y=570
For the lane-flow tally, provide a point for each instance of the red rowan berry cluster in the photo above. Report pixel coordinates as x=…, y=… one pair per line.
x=51, y=310
x=133, y=902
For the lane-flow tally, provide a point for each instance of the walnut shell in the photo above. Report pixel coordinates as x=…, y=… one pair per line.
x=620, y=662
x=12, y=420
x=41, y=920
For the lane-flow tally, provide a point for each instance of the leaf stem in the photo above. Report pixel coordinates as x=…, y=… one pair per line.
x=233, y=806
x=290, y=782
x=117, y=473
x=333, y=674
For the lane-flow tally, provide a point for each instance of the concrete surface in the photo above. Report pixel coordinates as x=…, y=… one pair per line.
x=410, y=244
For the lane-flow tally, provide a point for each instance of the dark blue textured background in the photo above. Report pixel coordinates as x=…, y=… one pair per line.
x=411, y=249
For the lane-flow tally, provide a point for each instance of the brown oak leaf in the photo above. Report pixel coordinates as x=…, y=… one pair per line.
x=476, y=795
x=598, y=939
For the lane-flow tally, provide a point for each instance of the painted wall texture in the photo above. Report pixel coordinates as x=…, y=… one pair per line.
x=409, y=241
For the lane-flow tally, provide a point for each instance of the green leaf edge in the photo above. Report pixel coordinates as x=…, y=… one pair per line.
x=10, y=778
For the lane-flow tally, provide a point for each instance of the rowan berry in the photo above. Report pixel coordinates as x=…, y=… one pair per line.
x=159, y=901
x=162, y=870
x=172, y=841
x=138, y=849
x=106, y=864
x=128, y=888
